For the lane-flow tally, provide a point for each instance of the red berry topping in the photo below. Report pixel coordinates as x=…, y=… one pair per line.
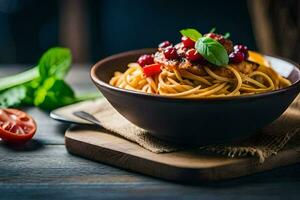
x=187, y=42
x=236, y=57
x=214, y=36
x=170, y=53
x=165, y=44
x=146, y=60
x=193, y=55
x=241, y=48
x=217, y=37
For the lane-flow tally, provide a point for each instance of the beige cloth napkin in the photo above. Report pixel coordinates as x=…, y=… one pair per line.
x=267, y=142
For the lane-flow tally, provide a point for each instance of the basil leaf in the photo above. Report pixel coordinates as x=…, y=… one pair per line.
x=227, y=35
x=193, y=34
x=53, y=93
x=212, y=51
x=55, y=62
x=42, y=86
x=12, y=97
x=31, y=87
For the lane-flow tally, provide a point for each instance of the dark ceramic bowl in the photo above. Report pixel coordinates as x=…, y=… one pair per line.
x=200, y=121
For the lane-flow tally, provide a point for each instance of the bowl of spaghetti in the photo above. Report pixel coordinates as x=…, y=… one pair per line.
x=202, y=90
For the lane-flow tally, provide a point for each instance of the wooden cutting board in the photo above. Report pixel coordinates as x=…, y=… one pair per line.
x=184, y=166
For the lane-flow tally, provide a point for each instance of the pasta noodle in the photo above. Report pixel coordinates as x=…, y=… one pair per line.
x=200, y=66
x=180, y=83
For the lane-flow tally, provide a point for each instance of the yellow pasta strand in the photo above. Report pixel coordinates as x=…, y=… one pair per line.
x=185, y=84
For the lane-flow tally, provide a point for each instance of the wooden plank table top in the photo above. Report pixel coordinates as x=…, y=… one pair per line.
x=43, y=169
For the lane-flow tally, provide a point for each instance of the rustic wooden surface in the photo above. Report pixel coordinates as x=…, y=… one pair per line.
x=44, y=170
x=181, y=166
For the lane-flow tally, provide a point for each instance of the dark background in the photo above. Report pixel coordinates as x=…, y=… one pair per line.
x=94, y=29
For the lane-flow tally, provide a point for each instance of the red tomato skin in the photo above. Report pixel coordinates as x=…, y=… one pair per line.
x=13, y=138
x=150, y=70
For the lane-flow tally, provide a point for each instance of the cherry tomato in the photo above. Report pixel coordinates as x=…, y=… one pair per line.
x=150, y=70
x=187, y=42
x=16, y=126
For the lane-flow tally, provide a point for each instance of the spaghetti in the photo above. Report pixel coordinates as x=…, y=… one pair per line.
x=201, y=67
x=185, y=84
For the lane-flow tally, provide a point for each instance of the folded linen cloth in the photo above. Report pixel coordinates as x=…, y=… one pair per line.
x=269, y=141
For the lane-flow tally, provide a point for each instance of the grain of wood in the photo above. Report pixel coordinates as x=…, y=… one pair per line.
x=186, y=165
x=41, y=170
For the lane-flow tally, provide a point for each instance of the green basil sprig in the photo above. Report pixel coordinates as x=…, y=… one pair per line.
x=191, y=33
x=210, y=49
x=42, y=86
x=55, y=62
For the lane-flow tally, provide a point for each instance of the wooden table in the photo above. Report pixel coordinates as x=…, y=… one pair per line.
x=43, y=169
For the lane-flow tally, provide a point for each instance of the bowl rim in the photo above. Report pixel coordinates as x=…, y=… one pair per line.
x=97, y=80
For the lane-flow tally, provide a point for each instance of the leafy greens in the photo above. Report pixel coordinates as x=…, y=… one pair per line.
x=210, y=49
x=42, y=86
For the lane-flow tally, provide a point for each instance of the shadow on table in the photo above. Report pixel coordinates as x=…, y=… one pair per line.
x=31, y=145
x=62, y=127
